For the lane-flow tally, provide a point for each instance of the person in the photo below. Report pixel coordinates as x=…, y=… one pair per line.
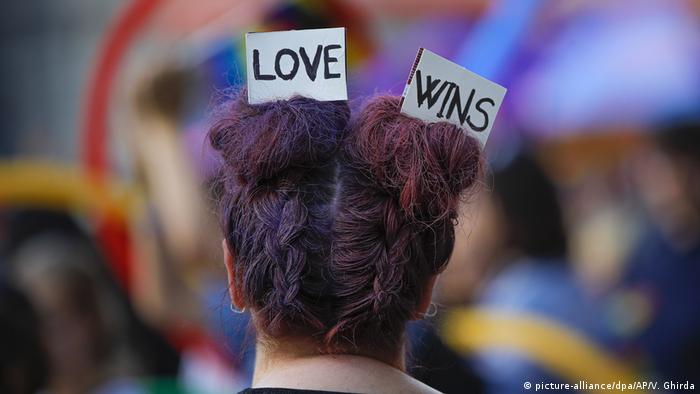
x=335, y=233
x=94, y=341
x=23, y=364
x=520, y=235
x=663, y=269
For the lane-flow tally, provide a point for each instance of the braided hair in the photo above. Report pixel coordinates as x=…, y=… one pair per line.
x=337, y=226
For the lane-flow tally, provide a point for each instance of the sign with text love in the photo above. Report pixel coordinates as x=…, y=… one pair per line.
x=441, y=91
x=309, y=63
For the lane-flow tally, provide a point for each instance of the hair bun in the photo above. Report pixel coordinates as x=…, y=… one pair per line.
x=261, y=141
x=425, y=166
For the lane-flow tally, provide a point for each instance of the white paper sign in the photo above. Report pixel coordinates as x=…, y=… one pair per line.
x=439, y=90
x=308, y=63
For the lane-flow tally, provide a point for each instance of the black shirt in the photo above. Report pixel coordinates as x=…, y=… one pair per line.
x=276, y=390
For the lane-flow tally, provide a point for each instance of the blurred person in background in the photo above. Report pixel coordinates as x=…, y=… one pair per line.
x=23, y=364
x=176, y=247
x=82, y=326
x=658, y=301
x=516, y=261
x=94, y=341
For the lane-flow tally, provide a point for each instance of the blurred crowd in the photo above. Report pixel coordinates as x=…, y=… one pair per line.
x=578, y=259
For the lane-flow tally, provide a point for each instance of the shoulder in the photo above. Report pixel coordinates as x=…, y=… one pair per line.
x=420, y=387
x=281, y=390
x=340, y=374
x=412, y=387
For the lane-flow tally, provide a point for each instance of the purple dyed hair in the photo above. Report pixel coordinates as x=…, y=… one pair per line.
x=336, y=228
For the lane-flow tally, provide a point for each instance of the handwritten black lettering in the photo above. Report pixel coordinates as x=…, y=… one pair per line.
x=311, y=67
x=256, y=68
x=462, y=112
x=295, y=66
x=428, y=93
x=327, y=59
x=452, y=87
x=486, y=115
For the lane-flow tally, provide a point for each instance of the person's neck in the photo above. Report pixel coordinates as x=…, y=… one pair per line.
x=296, y=354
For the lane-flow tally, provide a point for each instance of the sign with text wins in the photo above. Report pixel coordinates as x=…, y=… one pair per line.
x=439, y=90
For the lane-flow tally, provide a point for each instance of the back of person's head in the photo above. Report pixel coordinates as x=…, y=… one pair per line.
x=336, y=228
x=67, y=279
x=61, y=276
x=529, y=206
x=23, y=364
x=681, y=139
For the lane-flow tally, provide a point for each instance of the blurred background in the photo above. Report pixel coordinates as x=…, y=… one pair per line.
x=579, y=259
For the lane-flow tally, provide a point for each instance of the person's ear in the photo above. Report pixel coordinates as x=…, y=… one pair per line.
x=234, y=291
x=426, y=299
